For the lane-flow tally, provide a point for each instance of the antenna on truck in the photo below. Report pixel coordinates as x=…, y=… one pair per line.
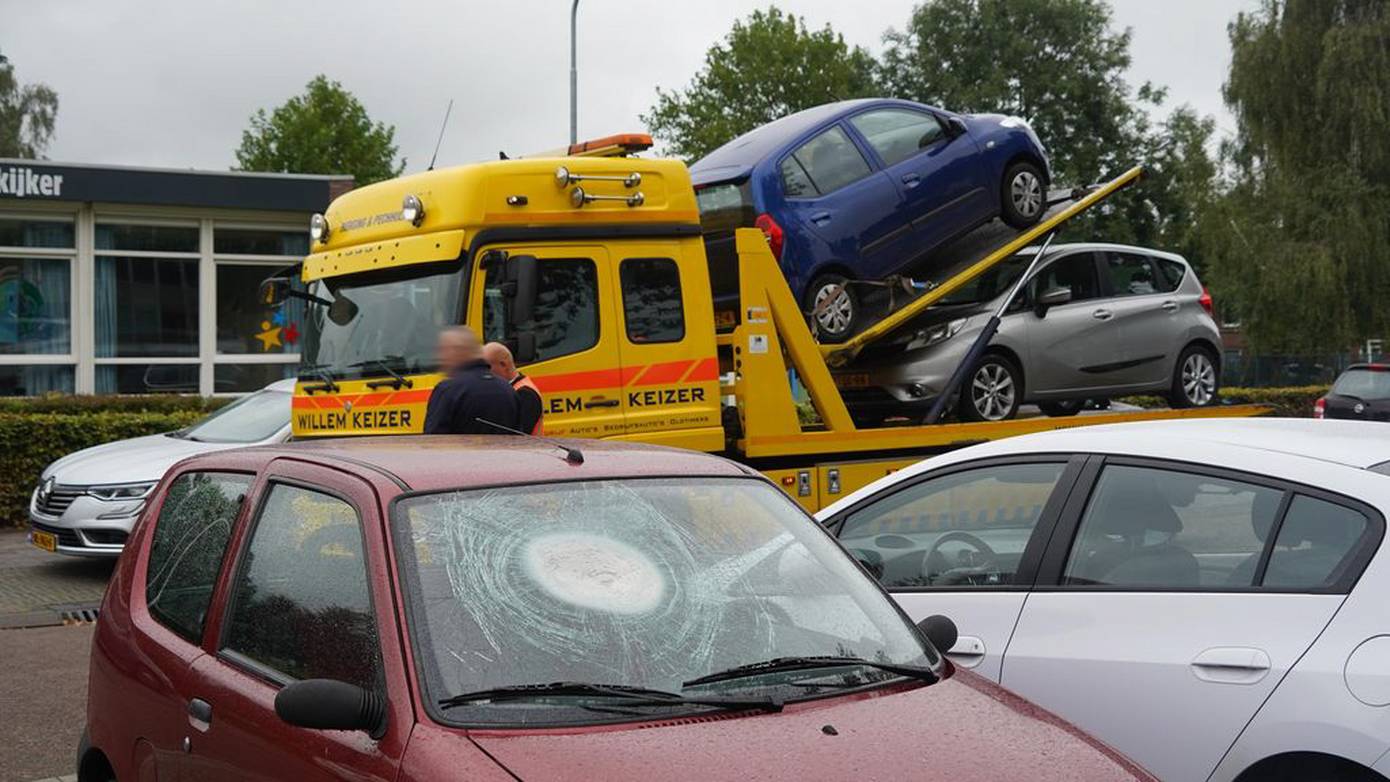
x=442, y=126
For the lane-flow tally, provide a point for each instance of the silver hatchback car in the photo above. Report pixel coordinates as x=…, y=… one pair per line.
x=1095, y=321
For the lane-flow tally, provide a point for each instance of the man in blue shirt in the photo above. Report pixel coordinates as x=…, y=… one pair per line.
x=470, y=394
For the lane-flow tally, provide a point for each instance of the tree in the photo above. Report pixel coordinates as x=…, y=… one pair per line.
x=27, y=115
x=324, y=131
x=768, y=66
x=1300, y=238
x=1059, y=65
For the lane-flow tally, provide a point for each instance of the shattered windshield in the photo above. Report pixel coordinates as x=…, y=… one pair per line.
x=637, y=583
x=396, y=322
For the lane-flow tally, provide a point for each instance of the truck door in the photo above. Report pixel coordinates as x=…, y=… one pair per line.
x=670, y=369
x=573, y=331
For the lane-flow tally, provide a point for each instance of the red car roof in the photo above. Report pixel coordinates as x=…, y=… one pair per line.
x=434, y=462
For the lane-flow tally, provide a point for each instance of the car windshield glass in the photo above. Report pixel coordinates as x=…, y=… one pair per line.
x=637, y=583
x=994, y=282
x=250, y=419
x=1364, y=384
x=396, y=322
x=725, y=206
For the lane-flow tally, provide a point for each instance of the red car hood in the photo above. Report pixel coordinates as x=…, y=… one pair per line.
x=963, y=728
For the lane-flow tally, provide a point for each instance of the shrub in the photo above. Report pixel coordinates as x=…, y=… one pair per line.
x=1295, y=402
x=70, y=404
x=30, y=441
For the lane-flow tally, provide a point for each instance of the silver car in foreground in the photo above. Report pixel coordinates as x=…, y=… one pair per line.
x=86, y=502
x=1095, y=321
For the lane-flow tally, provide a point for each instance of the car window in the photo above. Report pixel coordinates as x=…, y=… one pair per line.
x=830, y=161
x=250, y=419
x=566, y=311
x=1315, y=544
x=1170, y=274
x=1364, y=384
x=898, y=134
x=652, y=308
x=1150, y=527
x=1129, y=274
x=187, y=547
x=966, y=528
x=301, y=604
x=1077, y=272
x=795, y=181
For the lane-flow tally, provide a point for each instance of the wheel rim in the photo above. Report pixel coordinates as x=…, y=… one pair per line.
x=992, y=392
x=834, y=317
x=1198, y=379
x=1026, y=193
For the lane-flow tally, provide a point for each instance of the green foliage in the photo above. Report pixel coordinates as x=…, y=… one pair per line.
x=30, y=441
x=73, y=405
x=324, y=131
x=27, y=115
x=1292, y=402
x=1300, y=238
x=768, y=66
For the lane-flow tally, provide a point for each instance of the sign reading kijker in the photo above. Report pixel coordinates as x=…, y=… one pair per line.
x=25, y=182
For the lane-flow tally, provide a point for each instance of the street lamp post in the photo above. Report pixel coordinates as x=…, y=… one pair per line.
x=574, y=76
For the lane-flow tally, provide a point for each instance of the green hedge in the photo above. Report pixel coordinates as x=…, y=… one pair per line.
x=1295, y=402
x=85, y=403
x=30, y=441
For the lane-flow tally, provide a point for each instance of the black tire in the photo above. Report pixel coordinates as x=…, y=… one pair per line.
x=1196, y=380
x=1063, y=409
x=992, y=391
x=1022, y=195
x=837, y=321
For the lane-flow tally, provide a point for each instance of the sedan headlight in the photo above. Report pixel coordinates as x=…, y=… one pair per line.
x=129, y=491
x=932, y=335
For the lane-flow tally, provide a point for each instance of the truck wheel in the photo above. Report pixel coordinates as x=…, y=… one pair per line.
x=833, y=306
x=1063, y=409
x=1023, y=197
x=1195, y=382
x=992, y=391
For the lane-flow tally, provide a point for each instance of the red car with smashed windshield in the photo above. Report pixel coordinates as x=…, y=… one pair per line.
x=436, y=608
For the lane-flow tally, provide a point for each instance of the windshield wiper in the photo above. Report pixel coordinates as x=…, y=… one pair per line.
x=319, y=371
x=397, y=380
x=628, y=694
x=800, y=663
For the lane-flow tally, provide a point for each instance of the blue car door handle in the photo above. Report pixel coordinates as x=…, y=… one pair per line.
x=911, y=180
x=820, y=217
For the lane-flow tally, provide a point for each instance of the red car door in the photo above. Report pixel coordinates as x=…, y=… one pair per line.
x=306, y=598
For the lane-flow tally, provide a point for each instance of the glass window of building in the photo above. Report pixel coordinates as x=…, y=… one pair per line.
x=146, y=307
x=36, y=283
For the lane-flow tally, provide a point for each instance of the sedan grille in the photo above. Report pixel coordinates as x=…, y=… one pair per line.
x=59, y=499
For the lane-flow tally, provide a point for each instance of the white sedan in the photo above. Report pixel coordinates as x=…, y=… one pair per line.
x=1207, y=596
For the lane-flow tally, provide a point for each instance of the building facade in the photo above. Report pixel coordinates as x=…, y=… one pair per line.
x=132, y=281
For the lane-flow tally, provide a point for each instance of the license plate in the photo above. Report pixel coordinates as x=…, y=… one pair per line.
x=855, y=380
x=44, y=540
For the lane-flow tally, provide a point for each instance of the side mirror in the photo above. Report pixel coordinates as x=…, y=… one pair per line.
x=525, y=271
x=955, y=126
x=342, y=310
x=1051, y=298
x=274, y=291
x=524, y=351
x=328, y=704
x=940, y=630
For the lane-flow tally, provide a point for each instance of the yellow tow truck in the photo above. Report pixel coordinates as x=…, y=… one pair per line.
x=591, y=265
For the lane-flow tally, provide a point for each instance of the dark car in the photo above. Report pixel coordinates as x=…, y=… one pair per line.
x=1361, y=392
x=430, y=608
x=861, y=189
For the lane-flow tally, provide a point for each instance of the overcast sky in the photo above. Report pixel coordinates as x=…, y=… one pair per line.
x=173, y=82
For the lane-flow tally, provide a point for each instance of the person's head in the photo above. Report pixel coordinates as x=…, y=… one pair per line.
x=503, y=365
x=458, y=345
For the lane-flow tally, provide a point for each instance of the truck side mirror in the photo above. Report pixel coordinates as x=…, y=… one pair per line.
x=525, y=271
x=329, y=704
x=274, y=291
x=1051, y=298
x=524, y=351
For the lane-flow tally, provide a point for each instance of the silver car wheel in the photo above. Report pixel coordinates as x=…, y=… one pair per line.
x=992, y=392
x=1198, y=379
x=1026, y=193
x=836, y=316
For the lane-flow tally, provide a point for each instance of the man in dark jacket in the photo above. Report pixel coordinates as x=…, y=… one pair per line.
x=470, y=394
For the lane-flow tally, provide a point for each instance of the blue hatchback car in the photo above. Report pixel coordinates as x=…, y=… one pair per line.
x=861, y=189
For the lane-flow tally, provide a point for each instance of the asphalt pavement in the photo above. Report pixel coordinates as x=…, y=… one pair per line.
x=45, y=637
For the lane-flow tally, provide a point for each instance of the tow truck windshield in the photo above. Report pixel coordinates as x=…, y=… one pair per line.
x=394, y=325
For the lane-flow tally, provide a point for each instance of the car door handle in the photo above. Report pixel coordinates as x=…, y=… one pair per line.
x=1170, y=305
x=1231, y=665
x=820, y=218
x=911, y=180
x=1102, y=314
x=968, y=652
x=200, y=714
x=599, y=401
